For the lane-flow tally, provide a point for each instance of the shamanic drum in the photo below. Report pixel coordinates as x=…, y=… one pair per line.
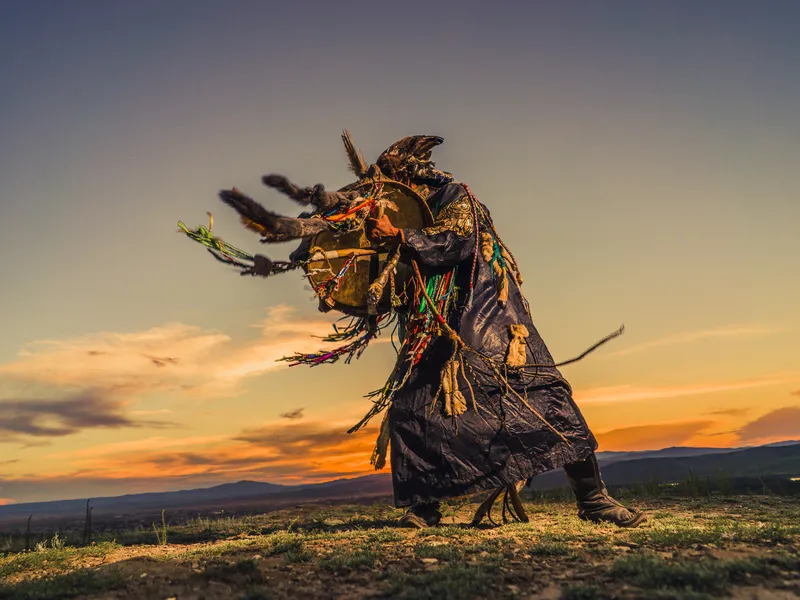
x=330, y=251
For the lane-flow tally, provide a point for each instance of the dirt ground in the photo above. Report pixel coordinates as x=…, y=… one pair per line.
x=736, y=547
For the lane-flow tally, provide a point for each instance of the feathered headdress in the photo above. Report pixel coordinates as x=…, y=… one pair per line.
x=409, y=161
x=357, y=164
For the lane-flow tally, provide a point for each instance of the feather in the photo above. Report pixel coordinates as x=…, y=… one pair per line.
x=253, y=226
x=316, y=196
x=271, y=226
x=357, y=164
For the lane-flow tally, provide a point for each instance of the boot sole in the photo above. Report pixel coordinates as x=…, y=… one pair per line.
x=416, y=522
x=412, y=522
x=634, y=522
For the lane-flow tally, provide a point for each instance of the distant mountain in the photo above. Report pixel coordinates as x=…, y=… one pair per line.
x=762, y=461
x=784, y=443
x=619, y=468
x=132, y=502
x=223, y=495
x=674, y=452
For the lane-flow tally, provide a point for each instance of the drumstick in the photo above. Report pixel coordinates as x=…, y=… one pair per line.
x=344, y=253
x=376, y=288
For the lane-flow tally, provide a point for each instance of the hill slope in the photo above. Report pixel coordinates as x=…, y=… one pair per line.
x=752, y=462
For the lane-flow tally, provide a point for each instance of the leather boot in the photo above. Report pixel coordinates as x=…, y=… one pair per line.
x=421, y=516
x=594, y=503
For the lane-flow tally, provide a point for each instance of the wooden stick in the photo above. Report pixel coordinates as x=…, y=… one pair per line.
x=345, y=253
x=375, y=292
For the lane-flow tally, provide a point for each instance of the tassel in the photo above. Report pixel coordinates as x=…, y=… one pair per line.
x=382, y=445
x=496, y=264
x=454, y=401
x=502, y=287
x=487, y=247
x=516, y=346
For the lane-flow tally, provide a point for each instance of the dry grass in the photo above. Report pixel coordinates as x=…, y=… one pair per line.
x=691, y=548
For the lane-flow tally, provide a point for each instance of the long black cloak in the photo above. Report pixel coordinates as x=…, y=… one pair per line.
x=435, y=456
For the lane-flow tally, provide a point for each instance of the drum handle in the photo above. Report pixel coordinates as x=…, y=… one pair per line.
x=375, y=292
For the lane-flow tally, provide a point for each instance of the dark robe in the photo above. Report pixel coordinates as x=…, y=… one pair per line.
x=435, y=456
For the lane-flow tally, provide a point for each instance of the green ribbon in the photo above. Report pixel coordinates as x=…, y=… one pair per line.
x=220, y=250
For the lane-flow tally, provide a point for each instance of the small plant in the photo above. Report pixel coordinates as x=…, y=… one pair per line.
x=343, y=559
x=161, y=536
x=583, y=592
x=56, y=543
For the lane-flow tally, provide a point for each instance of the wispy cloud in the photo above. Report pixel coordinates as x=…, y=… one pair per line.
x=295, y=414
x=631, y=393
x=173, y=358
x=121, y=368
x=281, y=452
x=688, y=337
x=132, y=448
x=651, y=437
x=776, y=425
x=729, y=412
x=36, y=417
x=150, y=413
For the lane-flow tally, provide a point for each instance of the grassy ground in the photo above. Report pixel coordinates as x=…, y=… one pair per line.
x=740, y=547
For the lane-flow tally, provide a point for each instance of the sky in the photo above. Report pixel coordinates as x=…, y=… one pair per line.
x=640, y=159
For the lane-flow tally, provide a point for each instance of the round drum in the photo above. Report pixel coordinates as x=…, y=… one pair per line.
x=332, y=249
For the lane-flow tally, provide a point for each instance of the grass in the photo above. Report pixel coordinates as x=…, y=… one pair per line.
x=69, y=585
x=698, y=579
x=452, y=582
x=550, y=548
x=245, y=571
x=692, y=548
x=51, y=559
x=341, y=560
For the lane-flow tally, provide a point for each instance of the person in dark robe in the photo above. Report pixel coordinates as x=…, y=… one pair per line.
x=458, y=427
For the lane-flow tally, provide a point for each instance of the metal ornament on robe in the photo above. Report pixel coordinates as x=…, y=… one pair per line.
x=330, y=251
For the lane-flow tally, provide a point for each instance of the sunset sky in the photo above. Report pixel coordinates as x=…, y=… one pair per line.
x=639, y=158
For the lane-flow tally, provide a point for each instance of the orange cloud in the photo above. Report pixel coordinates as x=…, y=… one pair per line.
x=283, y=452
x=651, y=437
x=776, y=425
x=73, y=457
x=694, y=336
x=630, y=393
x=174, y=358
x=729, y=412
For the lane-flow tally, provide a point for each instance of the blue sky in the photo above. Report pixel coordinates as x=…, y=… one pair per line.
x=639, y=159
